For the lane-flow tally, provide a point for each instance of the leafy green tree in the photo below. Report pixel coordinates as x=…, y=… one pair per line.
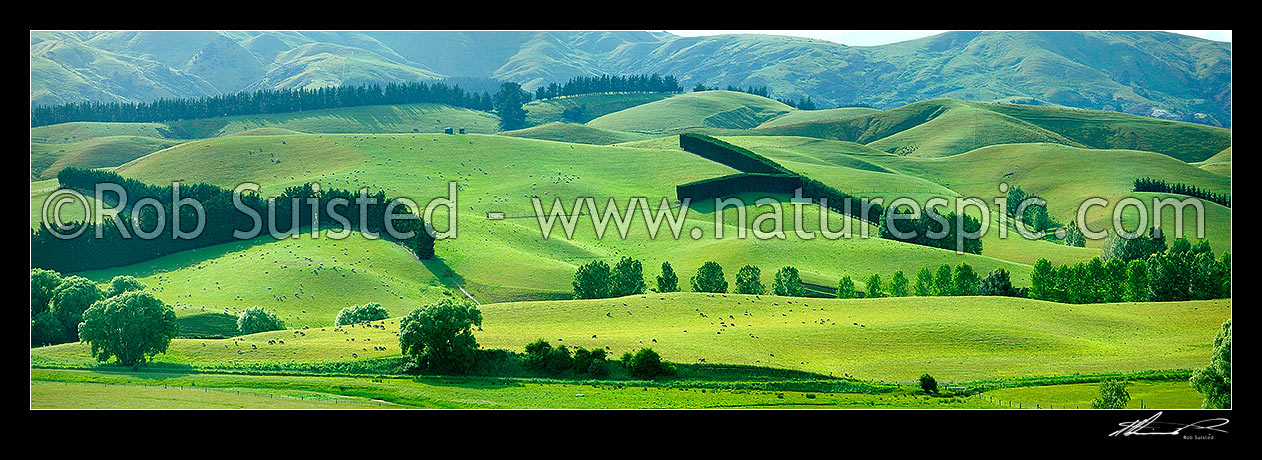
x=1206, y=281
x=845, y=288
x=924, y=283
x=256, y=319
x=71, y=298
x=646, y=364
x=592, y=280
x=627, y=278
x=1180, y=245
x=1042, y=280
x=131, y=327
x=43, y=283
x=1224, y=274
x=123, y=283
x=1093, y=282
x=928, y=383
x=361, y=313
x=899, y=285
x=667, y=281
x=1168, y=277
x=997, y=283
x=788, y=283
x=1214, y=381
x=965, y=280
x=943, y=284
x=872, y=287
x=439, y=336
x=1115, y=286
x=46, y=330
x=749, y=280
x=1113, y=395
x=508, y=103
x=709, y=278
x=1128, y=249
x=1136, y=280
x=1074, y=236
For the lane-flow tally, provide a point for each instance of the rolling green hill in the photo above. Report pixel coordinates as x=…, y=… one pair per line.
x=944, y=127
x=713, y=109
x=547, y=111
x=571, y=132
x=424, y=118
x=500, y=173
x=100, y=152
x=1219, y=163
x=802, y=116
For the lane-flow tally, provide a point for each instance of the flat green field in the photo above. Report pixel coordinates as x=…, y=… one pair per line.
x=75, y=389
x=1144, y=395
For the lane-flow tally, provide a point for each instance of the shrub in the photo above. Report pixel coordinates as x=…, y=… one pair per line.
x=928, y=383
x=256, y=319
x=646, y=364
x=1113, y=395
x=361, y=313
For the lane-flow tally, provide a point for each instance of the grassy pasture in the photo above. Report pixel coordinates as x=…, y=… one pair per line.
x=100, y=152
x=67, y=388
x=549, y=110
x=956, y=339
x=1150, y=395
x=571, y=132
x=714, y=109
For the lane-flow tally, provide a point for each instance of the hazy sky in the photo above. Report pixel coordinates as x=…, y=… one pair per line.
x=881, y=37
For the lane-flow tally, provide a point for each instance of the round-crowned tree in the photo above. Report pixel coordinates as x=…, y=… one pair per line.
x=256, y=319
x=131, y=327
x=788, y=282
x=592, y=280
x=43, y=283
x=845, y=288
x=627, y=278
x=439, y=336
x=71, y=298
x=928, y=383
x=123, y=283
x=709, y=278
x=749, y=280
x=361, y=313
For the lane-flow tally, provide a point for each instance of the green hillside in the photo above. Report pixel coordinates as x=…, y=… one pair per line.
x=500, y=173
x=85, y=130
x=571, y=132
x=802, y=116
x=714, y=109
x=100, y=152
x=944, y=127
x=424, y=118
x=1219, y=163
x=547, y=111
